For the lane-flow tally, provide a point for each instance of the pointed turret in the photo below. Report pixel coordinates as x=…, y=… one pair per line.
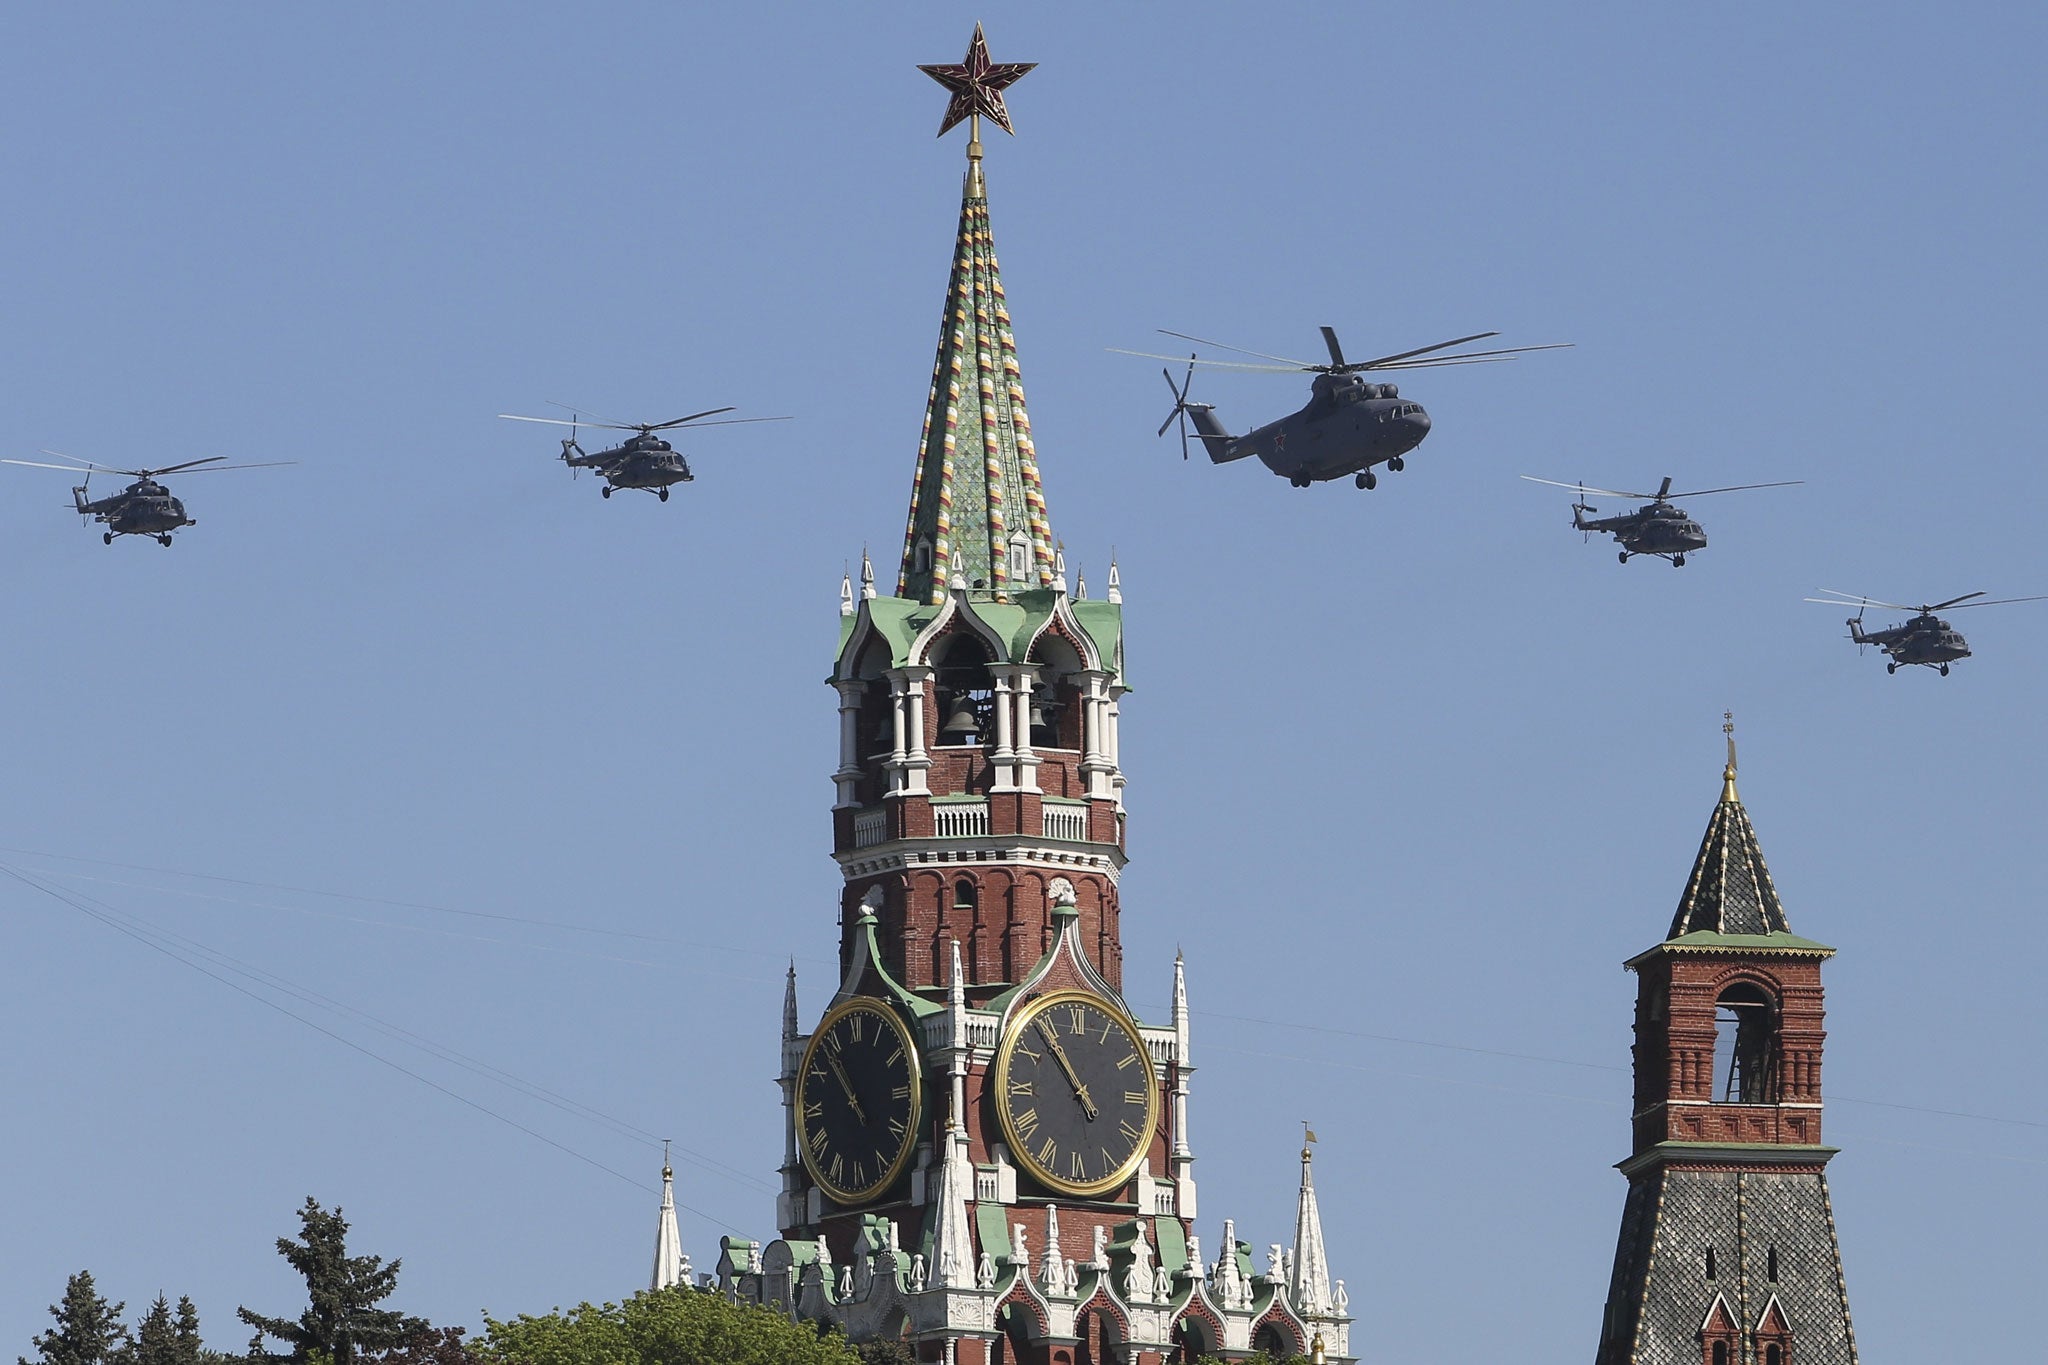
x=977, y=509
x=668, y=1242
x=1730, y=889
x=1308, y=1286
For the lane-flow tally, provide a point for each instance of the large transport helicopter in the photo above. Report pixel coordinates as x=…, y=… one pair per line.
x=1926, y=639
x=643, y=461
x=1657, y=528
x=1350, y=423
x=143, y=508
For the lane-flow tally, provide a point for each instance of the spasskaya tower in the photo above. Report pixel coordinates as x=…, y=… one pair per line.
x=987, y=1154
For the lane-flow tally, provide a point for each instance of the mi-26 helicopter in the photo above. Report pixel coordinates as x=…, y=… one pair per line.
x=1657, y=528
x=643, y=461
x=143, y=508
x=1926, y=639
x=1349, y=425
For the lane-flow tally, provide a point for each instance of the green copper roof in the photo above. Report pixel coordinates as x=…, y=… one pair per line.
x=1730, y=892
x=977, y=484
x=1752, y=945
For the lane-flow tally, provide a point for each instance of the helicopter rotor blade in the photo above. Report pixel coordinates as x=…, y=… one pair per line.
x=1468, y=358
x=679, y=421
x=1215, y=364
x=558, y=422
x=1585, y=488
x=728, y=422
x=67, y=468
x=1378, y=361
x=1994, y=602
x=177, y=468
x=1336, y=351
x=222, y=468
x=1850, y=599
x=1736, y=488
x=602, y=420
x=1942, y=606
x=1241, y=350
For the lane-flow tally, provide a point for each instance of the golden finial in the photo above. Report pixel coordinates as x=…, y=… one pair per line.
x=1315, y=1351
x=1308, y=1139
x=667, y=1171
x=1728, y=773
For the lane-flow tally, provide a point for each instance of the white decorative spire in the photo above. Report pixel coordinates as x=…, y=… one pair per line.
x=789, y=1026
x=1081, y=587
x=1059, y=570
x=867, y=575
x=1180, y=1005
x=845, y=595
x=1310, y=1288
x=1052, y=1269
x=668, y=1243
x=1116, y=584
x=952, y=1238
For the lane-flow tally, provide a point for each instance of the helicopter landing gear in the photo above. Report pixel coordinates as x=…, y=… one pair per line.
x=106, y=537
x=606, y=490
x=1678, y=561
x=1396, y=465
x=1891, y=668
x=1366, y=480
x=662, y=494
x=164, y=540
x=1944, y=670
x=1624, y=556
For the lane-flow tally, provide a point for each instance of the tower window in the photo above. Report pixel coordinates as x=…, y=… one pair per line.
x=1720, y=1353
x=1020, y=557
x=921, y=557
x=1745, y=1023
x=1773, y=1263
x=964, y=897
x=1710, y=1263
x=1773, y=1356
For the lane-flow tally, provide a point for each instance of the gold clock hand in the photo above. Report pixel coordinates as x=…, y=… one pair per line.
x=1060, y=1055
x=844, y=1084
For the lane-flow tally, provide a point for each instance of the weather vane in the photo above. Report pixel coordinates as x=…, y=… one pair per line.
x=977, y=85
x=1728, y=775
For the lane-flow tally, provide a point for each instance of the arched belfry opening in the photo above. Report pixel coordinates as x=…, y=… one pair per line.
x=1745, y=1034
x=1056, y=716
x=963, y=689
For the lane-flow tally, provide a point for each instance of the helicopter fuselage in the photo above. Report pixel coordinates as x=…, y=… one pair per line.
x=1926, y=639
x=144, y=508
x=1656, y=528
x=1347, y=427
x=647, y=463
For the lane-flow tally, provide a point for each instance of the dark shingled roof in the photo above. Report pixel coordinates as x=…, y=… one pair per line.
x=1730, y=891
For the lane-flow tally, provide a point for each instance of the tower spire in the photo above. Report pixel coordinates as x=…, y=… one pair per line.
x=977, y=508
x=1309, y=1286
x=668, y=1242
x=1730, y=890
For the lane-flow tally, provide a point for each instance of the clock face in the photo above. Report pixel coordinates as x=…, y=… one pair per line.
x=1075, y=1093
x=858, y=1097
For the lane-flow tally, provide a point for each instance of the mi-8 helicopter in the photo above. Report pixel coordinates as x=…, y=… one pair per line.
x=1349, y=424
x=1926, y=640
x=145, y=507
x=1657, y=528
x=644, y=461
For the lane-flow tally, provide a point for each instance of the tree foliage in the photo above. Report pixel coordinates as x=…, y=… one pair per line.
x=675, y=1326
x=88, y=1330
x=343, y=1291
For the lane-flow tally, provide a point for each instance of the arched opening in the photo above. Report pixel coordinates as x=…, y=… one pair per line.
x=1745, y=1029
x=1773, y=1355
x=1275, y=1342
x=964, y=690
x=964, y=895
x=1055, y=709
x=1192, y=1340
x=1720, y=1356
x=921, y=555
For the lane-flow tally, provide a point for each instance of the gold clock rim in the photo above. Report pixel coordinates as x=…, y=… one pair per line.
x=860, y=1005
x=1031, y=1010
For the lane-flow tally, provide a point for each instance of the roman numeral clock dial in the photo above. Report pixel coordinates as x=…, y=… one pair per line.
x=858, y=1099
x=1075, y=1093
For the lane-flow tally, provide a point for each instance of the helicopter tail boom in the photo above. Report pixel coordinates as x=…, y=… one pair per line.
x=1216, y=438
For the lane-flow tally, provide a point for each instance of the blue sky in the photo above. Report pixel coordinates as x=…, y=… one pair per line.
x=442, y=740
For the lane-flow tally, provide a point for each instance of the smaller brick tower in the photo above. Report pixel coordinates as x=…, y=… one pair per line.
x=1728, y=1253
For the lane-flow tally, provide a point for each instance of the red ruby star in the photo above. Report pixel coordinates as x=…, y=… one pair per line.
x=977, y=85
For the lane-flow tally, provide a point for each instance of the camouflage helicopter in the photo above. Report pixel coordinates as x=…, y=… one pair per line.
x=643, y=461
x=1349, y=424
x=143, y=508
x=1926, y=640
x=1656, y=529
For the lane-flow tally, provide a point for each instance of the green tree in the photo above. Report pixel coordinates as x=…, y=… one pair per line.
x=885, y=1353
x=88, y=1330
x=343, y=1291
x=675, y=1326
x=190, y=1350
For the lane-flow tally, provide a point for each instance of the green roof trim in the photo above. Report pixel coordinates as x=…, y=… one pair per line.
x=1707, y=941
x=1173, y=1243
x=1104, y=622
x=991, y=1222
x=871, y=952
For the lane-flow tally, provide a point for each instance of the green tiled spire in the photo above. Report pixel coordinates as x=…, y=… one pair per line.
x=977, y=493
x=1730, y=890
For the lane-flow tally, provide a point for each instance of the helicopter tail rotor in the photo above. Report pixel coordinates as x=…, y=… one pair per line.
x=1180, y=404
x=1579, y=510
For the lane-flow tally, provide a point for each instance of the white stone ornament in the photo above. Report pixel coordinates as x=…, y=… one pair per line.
x=1073, y=1283
x=949, y=1267
x=754, y=1259
x=1276, y=1262
x=845, y=1282
x=1162, y=1284
x=1137, y=1283
x=1020, y=1249
x=917, y=1274
x=1195, y=1255
x=985, y=1273
x=1101, y=1257
x=1341, y=1299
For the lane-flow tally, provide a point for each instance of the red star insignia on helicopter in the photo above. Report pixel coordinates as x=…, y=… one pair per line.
x=977, y=85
